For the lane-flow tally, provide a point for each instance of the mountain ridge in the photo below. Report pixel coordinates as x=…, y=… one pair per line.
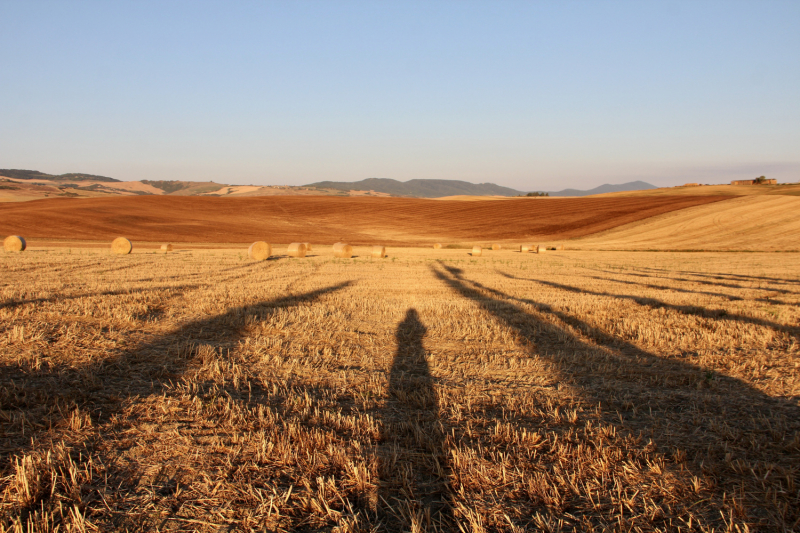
x=22, y=174
x=436, y=188
x=419, y=188
x=606, y=187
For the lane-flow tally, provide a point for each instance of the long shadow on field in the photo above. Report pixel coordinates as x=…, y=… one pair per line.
x=99, y=389
x=646, y=274
x=732, y=433
x=40, y=402
x=413, y=469
x=11, y=304
x=724, y=276
x=665, y=287
x=653, y=303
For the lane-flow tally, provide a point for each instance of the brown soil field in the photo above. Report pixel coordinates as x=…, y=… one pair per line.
x=324, y=219
x=428, y=391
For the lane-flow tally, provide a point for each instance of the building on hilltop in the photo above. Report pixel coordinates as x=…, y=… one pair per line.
x=754, y=182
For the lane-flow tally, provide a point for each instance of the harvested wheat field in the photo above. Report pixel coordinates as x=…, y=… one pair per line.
x=752, y=223
x=428, y=391
x=325, y=219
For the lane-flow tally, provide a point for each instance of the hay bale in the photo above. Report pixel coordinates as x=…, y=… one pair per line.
x=342, y=249
x=437, y=246
x=14, y=243
x=496, y=247
x=308, y=246
x=259, y=251
x=121, y=246
x=379, y=251
x=297, y=249
x=166, y=248
x=476, y=251
x=540, y=249
x=559, y=247
x=525, y=248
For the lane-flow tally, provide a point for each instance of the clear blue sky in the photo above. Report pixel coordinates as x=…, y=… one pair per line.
x=532, y=95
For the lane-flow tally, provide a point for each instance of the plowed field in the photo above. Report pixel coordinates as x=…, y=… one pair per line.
x=327, y=219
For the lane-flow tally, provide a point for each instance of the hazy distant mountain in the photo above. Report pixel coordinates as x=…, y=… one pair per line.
x=419, y=188
x=20, y=174
x=630, y=186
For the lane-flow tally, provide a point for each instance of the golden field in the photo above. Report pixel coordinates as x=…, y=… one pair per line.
x=427, y=391
x=747, y=223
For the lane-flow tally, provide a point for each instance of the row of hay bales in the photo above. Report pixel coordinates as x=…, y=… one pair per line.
x=123, y=246
x=524, y=248
x=261, y=250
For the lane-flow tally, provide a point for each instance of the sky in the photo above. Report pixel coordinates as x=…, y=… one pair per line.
x=532, y=95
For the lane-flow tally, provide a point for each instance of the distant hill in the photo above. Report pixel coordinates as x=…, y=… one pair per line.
x=185, y=188
x=20, y=174
x=419, y=188
x=630, y=186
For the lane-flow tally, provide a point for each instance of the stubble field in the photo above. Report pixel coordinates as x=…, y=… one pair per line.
x=201, y=391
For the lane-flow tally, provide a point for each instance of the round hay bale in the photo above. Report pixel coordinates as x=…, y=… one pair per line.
x=559, y=247
x=297, y=249
x=342, y=249
x=379, y=251
x=166, y=248
x=308, y=246
x=259, y=251
x=437, y=246
x=496, y=247
x=540, y=249
x=476, y=250
x=14, y=243
x=527, y=248
x=121, y=246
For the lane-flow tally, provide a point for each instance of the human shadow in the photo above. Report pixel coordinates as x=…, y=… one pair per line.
x=654, y=303
x=724, y=426
x=413, y=467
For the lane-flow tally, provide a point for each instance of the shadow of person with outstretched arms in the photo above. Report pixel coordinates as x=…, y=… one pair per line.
x=413, y=471
x=742, y=441
x=101, y=387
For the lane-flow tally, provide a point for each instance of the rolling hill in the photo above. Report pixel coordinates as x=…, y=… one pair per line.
x=750, y=223
x=327, y=219
x=21, y=174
